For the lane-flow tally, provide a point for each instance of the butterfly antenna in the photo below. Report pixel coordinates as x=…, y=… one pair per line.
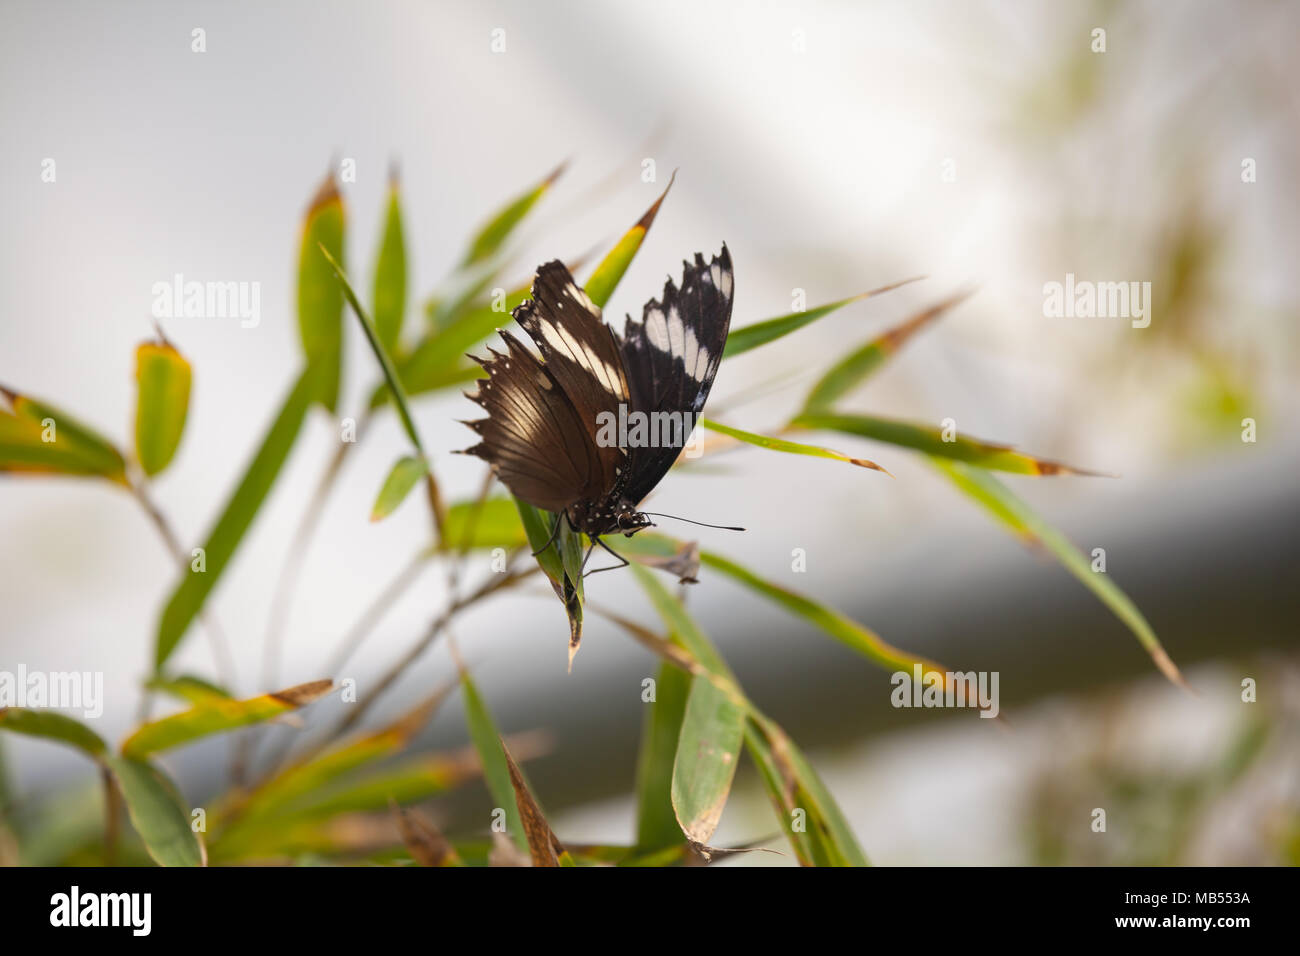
x=702, y=524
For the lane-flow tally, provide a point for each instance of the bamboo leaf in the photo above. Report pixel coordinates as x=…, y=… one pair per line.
x=789, y=447
x=496, y=772
x=832, y=622
x=561, y=560
x=742, y=340
x=493, y=234
x=37, y=437
x=857, y=367
x=707, y=753
x=194, y=586
x=1011, y=511
x=610, y=270
x=157, y=813
x=404, y=476
x=219, y=715
x=187, y=687
x=53, y=726
x=162, y=403
x=320, y=303
x=929, y=439
x=381, y=354
x=427, y=845
x=657, y=826
x=543, y=847
x=389, y=299
x=493, y=524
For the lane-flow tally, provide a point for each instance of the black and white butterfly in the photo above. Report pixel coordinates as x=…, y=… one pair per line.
x=545, y=414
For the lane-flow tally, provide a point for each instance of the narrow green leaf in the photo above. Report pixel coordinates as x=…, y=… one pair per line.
x=219, y=715
x=52, y=726
x=493, y=234
x=495, y=523
x=858, y=366
x=561, y=560
x=157, y=813
x=752, y=336
x=381, y=353
x=187, y=687
x=832, y=622
x=929, y=439
x=496, y=773
x=609, y=272
x=37, y=437
x=656, y=823
x=789, y=447
x=1014, y=513
x=320, y=303
x=404, y=476
x=707, y=754
x=390, y=273
x=162, y=403
x=194, y=586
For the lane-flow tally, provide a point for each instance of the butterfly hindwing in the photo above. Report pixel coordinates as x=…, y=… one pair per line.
x=671, y=355
x=582, y=354
x=532, y=437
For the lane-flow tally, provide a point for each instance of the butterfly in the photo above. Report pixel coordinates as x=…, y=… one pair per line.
x=548, y=434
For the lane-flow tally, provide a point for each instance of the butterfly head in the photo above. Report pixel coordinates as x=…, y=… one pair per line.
x=618, y=517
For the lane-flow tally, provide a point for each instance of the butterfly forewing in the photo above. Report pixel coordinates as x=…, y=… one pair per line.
x=672, y=354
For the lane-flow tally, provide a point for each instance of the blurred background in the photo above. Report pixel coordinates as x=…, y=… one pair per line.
x=834, y=147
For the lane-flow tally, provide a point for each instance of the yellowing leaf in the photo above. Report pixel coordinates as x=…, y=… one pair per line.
x=218, y=715
x=162, y=403
x=789, y=447
x=37, y=437
x=320, y=301
x=600, y=286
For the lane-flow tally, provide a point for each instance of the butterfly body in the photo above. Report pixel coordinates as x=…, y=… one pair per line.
x=545, y=435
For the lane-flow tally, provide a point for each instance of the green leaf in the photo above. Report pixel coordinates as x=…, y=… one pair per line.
x=187, y=687
x=928, y=439
x=157, y=813
x=52, y=726
x=493, y=234
x=219, y=715
x=793, y=785
x=390, y=273
x=496, y=772
x=162, y=402
x=320, y=303
x=858, y=366
x=194, y=586
x=656, y=823
x=752, y=336
x=404, y=476
x=494, y=523
x=1011, y=511
x=609, y=272
x=707, y=753
x=381, y=353
x=832, y=622
x=561, y=560
x=37, y=437
x=789, y=447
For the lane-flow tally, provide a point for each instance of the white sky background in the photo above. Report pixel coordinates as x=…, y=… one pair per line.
x=821, y=170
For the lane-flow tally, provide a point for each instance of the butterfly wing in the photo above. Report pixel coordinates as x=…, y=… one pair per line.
x=671, y=355
x=533, y=438
x=582, y=353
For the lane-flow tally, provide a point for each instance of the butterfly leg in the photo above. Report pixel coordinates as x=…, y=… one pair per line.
x=623, y=562
x=555, y=533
